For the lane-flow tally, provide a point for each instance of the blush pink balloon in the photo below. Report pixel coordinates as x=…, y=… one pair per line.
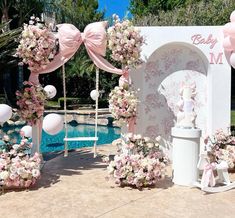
x=227, y=56
x=229, y=29
x=232, y=16
x=229, y=44
x=232, y=59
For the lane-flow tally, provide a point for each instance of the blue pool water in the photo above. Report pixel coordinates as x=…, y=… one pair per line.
x=55, y=143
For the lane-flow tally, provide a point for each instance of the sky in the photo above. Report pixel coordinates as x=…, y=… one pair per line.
x=119, y=7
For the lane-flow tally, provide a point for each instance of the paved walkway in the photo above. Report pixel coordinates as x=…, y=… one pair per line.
x=75, y=187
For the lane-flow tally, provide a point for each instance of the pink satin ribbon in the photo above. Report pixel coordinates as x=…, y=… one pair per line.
x=70, y=39
x=131, y=124
x=125, y=78
x=208, y=178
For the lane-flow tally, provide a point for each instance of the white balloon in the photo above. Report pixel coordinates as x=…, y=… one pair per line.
x=27, y=131
x=232, y=59
x=50, y=90
x=5, y=113
x=232, y=16
x=94, y=94
x=52, y=124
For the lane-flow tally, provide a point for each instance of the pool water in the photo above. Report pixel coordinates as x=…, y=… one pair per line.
x=51, y=143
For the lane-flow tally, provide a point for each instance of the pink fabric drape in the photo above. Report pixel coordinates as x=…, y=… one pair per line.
x=70, y=39
x=131, y=124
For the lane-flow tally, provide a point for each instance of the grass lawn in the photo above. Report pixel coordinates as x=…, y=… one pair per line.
x=232, y=117
x=52, y=104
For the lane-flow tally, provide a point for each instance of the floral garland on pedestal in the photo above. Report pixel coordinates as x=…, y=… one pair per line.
x=31, y=102
x=37, y=48
x=17, y=168
x=140, y=161
x=38, y=45
x=222, y=146
x=123, y=104
x=125, y=41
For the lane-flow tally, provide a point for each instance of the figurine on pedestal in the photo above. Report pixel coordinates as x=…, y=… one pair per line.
x=186, y=115
x=185, y=139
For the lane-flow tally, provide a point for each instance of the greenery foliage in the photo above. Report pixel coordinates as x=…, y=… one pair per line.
x=201, y=12
x=13, y=14
x=7, y=45
x=142, y=8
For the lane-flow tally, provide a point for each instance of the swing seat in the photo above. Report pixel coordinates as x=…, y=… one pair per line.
x=81, y=139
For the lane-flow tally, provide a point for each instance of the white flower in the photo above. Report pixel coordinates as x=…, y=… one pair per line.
x=35, y=173
x=150, y=145
x=15, y=146
x=146, y=139
x=4, y=175
x=24, y=175
x=110, y=169
x=158, y=138
x=6, y=138
x=20, y=171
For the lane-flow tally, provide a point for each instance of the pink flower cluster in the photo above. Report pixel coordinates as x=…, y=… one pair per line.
x=31, y=102
x=37, y=46
x=222, y=146
x=122, y=104
x=125, y=42
x=140, y=161
x=17, y=169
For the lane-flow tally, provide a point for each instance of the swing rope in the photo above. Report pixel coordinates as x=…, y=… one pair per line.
x=96, y=109
x=65, y=113
x=66, y=139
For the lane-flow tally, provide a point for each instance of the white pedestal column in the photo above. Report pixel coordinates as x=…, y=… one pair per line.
x=186, y=143
x=36, y=139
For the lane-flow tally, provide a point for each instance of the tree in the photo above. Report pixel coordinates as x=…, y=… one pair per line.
x=7, y=45
x=12, y=15
x=200, y=13
x=142, y=8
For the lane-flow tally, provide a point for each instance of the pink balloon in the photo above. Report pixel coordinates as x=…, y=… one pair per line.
x=229, y=29
x=229, y=44
x=232, y=16
x=232, y=59
x=227, y=56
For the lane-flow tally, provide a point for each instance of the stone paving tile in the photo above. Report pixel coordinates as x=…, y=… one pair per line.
x=75, y=187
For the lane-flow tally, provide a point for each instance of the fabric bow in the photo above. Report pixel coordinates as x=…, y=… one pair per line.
x=208, y=175
x=70, y=39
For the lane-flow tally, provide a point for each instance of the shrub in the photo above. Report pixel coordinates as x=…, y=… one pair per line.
x=69, y=101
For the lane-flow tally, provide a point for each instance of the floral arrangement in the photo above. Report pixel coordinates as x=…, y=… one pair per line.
x=123, y=104
x=31, y=102
x=125, y=41
x=222, y=147
x=140, y=161
x=38, y=45
x=17, y=169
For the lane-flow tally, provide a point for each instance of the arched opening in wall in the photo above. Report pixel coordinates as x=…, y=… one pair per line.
x=170, y=89
x=165, y=70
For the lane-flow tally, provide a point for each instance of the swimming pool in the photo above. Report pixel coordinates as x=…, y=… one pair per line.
x=50, y=143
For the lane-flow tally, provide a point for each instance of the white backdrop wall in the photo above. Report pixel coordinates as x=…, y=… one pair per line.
x=173, y=55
